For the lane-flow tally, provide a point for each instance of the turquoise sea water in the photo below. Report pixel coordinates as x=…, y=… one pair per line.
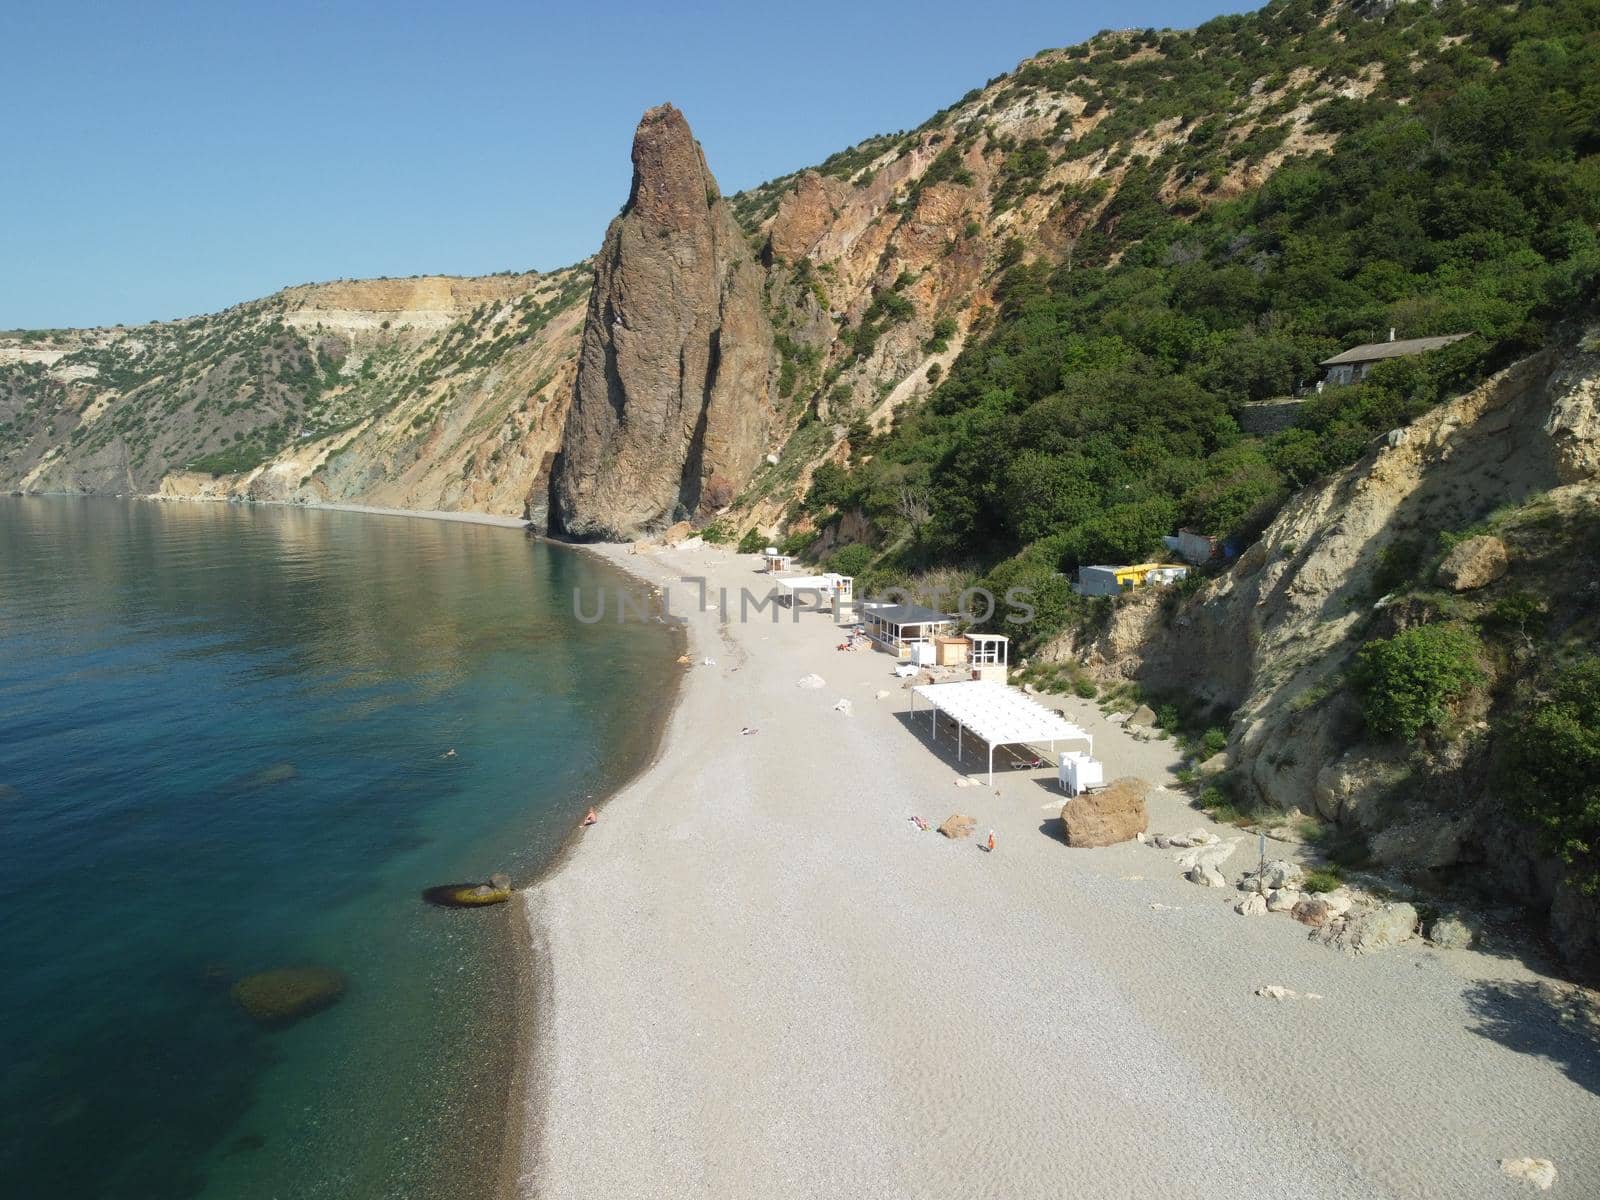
x=223, y=748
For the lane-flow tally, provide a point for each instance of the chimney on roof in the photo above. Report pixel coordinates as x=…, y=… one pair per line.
x=1391, y=333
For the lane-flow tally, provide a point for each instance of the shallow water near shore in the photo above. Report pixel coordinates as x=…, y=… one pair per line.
x=224, y=737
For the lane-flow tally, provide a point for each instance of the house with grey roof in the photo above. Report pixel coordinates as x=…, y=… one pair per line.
x=1353, y=365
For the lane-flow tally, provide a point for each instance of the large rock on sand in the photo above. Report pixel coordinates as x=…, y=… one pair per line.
x=1376, y=928
x=279, y=998
x=1105, y=818
x=957, y=826
x=1474, y=563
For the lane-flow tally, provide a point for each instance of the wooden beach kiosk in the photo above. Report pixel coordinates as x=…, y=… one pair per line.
x=999, y=715
x=899, y=628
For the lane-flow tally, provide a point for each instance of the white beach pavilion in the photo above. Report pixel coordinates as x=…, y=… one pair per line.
x=828, y=589
x=1000, y=715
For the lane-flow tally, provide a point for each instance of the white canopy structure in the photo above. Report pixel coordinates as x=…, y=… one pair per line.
x=826, y=588
x=998, y=714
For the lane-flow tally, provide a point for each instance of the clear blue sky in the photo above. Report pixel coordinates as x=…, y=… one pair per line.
x=163, y=159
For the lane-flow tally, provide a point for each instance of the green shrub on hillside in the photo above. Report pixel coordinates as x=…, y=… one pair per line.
x=1552, y=772
x=1407, y=683
x=851, y=560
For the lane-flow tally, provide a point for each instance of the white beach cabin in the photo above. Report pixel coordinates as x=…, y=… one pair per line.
x=901, y=628
x=988, y=656
x=1000, y=715
x=775, y=563
x=828, y=590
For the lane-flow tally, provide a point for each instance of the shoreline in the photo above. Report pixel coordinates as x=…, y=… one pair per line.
x=532, y=988
x=759, y=978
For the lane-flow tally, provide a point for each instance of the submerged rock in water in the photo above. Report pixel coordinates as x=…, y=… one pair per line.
x=470, y=895
x=279, y=998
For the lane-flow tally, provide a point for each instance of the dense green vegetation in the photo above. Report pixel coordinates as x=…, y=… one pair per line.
x=1097, y=411
x=1553, y=768
x=1408, y=683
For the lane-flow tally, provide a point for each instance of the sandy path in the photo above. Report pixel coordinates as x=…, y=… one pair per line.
x=764, y=981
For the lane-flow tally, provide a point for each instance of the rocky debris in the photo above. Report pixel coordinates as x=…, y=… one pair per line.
x=1317, y=911
x=670, y=412
x=1452, y=931
x=277, y=999
x=1195, y=837
x=1540, y=1172
x=1143, y=716
x=881, y=694
x=1213, y=766
x=842, y=706
x=1474, y=563
x=677, y=533
x=1206, y=875
x=1253, y=905
x=1371, y=928
x=1282, y=900
x=1273, y=991
x=956, y=826
x=1279, y=873
x=1314, y=911
x=1104, y=818
x=1211, y=854
x=811, y=681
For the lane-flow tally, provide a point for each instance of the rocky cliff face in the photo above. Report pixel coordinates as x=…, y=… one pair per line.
x=1271, y=640
x=670, y=413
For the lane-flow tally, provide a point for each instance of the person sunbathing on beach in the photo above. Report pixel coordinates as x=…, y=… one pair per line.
x=591, y=818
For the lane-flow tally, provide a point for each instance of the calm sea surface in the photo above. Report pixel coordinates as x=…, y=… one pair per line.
x=224, y=737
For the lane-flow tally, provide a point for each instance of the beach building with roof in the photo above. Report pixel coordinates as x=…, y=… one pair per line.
x=829, y=589
x=898, y=628
x=1104, y=580
x=1354, y=364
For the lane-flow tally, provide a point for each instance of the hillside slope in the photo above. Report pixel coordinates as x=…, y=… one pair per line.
x=878, y=266
x=430, y=392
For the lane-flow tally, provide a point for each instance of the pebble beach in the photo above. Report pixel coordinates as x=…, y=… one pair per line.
x=757, y=976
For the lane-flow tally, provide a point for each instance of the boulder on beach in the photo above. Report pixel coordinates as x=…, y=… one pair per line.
x=1144, y=716
x=1104, y=818
x=277, y=999
x=470, y=895
x=1374, y=928
x=957, y=826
